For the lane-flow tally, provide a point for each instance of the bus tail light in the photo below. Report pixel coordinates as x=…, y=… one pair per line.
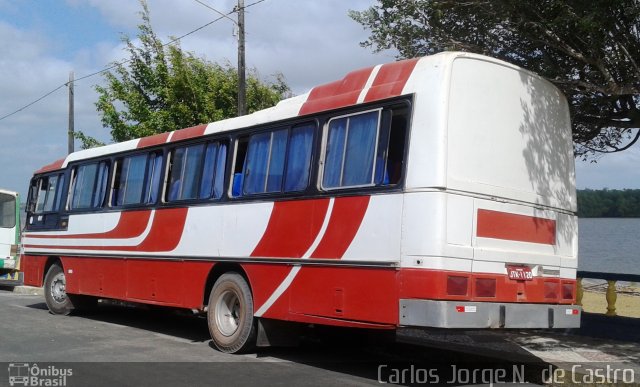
x=550, y=289
x=485, y=287
x=567, y=291
x=457, y=285
x=14, y=250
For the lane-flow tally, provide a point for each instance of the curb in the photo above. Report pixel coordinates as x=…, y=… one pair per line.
x=30, y=290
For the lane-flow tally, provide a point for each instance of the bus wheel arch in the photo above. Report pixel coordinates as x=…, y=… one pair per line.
x=216, y=272
x=232, y=325
x=50, y=262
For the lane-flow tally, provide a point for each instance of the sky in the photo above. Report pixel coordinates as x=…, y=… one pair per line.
x=310, y=42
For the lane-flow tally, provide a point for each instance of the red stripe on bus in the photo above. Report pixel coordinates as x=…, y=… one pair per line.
x=514, y=227
x=156, y=139
x=187, y=133
x=292, y=228
x=336, y=94
x=390, y=80
x=51, y=167
x=346, y=217
x=165, y=234
x=130, y=225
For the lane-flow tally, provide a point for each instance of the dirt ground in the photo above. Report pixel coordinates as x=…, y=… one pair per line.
x=627, y=305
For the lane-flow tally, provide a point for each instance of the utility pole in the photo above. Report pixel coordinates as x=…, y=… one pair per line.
x=242, y=86
x=71, y=124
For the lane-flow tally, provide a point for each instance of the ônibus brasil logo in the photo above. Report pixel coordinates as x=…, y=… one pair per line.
x=24, y=374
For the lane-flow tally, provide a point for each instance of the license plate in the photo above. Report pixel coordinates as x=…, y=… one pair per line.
x=520, y=273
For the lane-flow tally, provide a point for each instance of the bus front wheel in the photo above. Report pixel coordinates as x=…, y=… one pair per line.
x=55, y=292
x=230, y=314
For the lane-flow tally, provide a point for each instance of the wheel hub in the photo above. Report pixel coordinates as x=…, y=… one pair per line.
x=228, y=313
x=58, y=288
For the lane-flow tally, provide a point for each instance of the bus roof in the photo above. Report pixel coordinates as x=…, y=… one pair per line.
x=360, y=86
x=8, y=192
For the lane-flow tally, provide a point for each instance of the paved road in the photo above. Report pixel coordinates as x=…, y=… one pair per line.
x=118, y=345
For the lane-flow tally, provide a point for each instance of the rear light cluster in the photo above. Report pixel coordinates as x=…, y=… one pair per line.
x=551, y=289
x=485, y=287
x=568, y=291
x=459, y=286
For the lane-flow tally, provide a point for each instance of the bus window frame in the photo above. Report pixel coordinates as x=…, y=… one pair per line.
x=32, y=206
x=220, y=141
x=70, y=185
x=323, y=154
x=115, y=161
x=245, y=135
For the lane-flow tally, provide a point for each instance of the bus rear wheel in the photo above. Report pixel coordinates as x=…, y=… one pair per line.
x=230, y=314
x=55, y=292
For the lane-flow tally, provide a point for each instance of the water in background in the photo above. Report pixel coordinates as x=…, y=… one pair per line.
x=609, y=245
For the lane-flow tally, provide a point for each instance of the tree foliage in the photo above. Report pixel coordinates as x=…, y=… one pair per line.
x=589, y=49
x=609, y=203
x=162, y=88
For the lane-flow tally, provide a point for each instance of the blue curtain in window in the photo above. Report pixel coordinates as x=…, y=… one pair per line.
x=190, y=172
x=153, y=177
x=219, y=174
x=361, y=142
x=101, y=185
x=255, y=168
x=299, y=158
x=276, y=164
x=208, y=171
x=335, y=152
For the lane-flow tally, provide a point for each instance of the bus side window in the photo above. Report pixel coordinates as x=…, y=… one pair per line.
x=350, y=150
x=49, y=193
x=275, y=161
x=136, y=179
x=89, y=185
x=365, y=149
x=184, y=176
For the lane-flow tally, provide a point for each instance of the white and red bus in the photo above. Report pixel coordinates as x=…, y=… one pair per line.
x=430, y=192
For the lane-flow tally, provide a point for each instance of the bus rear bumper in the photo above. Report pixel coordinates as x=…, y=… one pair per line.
x=11, y=278
x=460, y=314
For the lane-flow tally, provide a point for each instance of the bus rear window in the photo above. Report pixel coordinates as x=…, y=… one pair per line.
x=7, y=211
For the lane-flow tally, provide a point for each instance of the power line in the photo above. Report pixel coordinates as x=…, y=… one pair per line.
x=215, y=10
x=125, y=61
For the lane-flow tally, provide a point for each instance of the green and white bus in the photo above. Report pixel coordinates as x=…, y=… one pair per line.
x=10, y=238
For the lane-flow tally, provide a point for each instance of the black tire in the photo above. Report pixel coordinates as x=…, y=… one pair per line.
x=230, y=314
x=55, y=293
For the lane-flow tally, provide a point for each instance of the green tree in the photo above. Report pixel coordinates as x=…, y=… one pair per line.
x=162, y=88
x=589, y=49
